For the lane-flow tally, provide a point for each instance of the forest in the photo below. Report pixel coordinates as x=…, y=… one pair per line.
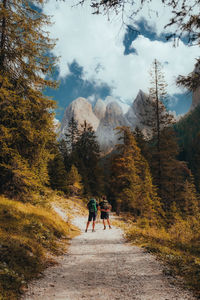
x=152, y=180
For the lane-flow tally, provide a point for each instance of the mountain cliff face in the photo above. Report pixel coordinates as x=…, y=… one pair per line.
x=100, y=109
x=138, y=110
x=106, y=116
x=81, y=110
x=106, y=135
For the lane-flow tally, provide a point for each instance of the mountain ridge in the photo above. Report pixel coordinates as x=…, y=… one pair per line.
x=105, y=116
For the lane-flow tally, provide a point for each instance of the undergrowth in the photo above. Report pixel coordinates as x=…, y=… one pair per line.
x=29, y=238
x=177, y=245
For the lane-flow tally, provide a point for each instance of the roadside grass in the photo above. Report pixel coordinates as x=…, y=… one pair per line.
x=177, y=246
x=30, y=237
x=72, y=205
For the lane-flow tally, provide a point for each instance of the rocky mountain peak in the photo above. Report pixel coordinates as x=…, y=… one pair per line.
x=81, y=110
x=106, y=116
x=113, y=112
x=140, y=101
x=100, y=109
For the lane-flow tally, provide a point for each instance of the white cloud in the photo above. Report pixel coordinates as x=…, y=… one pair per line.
x=94, y=42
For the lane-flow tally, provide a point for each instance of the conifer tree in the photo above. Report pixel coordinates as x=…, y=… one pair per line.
x=88, y=157
x=194, y=161
x=163, y=148
x=67, y=157
x=131, y=182
x=72, y=134
x=26, y=118
x=190, y=200
x=159, y=118
x=57, y=173
x=74, y=180
x=141, y=142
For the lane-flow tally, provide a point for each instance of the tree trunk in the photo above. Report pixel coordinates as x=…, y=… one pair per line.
x=158, y=125
x=3, y=38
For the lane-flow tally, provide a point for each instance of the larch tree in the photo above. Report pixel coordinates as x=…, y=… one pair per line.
x=74, y=180
x=130, y=178
x=157, y=120
x=26, y=115
x=190, y=204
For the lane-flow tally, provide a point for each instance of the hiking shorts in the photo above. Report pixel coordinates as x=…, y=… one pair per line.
x=104, y=215
x=92, y=216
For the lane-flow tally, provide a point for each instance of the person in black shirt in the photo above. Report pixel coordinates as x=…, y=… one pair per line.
x=105, y=208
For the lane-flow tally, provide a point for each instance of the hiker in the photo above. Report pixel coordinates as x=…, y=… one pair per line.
x=105, y=208
x=92, y=208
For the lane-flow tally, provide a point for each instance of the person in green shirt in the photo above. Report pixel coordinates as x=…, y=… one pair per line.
x=92, y=208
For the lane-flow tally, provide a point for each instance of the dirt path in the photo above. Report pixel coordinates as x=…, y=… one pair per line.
x=101, y=266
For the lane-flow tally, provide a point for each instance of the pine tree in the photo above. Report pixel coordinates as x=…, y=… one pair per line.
x=159, y=118
x=162, y=150
x=131, y=182
x=88, y=158
x=57, y=173
x=72, y=135
x=24, y=45
x=26, y=119
x=172, y=171
x=67, y=157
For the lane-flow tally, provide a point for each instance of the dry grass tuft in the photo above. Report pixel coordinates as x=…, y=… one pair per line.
x=178, y=246
x=30, y=236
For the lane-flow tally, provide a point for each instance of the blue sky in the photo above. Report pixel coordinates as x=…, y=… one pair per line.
x=99, y=58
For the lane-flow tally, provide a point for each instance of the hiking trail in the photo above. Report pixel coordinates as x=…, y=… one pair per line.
x=100, y=265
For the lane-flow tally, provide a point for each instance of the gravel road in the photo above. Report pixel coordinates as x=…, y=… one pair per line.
x=100, y=265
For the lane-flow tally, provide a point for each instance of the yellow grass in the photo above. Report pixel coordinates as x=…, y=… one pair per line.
x=178, y=246
x=30, y=236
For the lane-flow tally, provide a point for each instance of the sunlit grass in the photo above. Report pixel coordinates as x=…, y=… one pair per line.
x=178, y=246
x=30, y=236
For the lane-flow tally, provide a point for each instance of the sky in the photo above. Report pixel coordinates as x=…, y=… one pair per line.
x=100, y=56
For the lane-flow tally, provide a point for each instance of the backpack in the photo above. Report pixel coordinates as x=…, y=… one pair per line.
x=104, y=205
x=92, y=205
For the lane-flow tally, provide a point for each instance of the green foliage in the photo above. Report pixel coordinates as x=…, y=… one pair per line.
x=81, y=149
x=88, y=154
x=72, y=135
x=188, y=130
x=169, y=174
x=131, y=182
x=58, y=173
x=23, y=48
x=26, y=118
x=190, y=199
x=159, y=119
x=142, y=143
x=74, y=181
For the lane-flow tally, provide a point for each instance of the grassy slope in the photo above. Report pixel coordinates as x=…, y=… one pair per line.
x=178, y=247
x=29, y=238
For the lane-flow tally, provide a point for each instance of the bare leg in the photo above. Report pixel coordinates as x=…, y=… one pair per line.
x=88, y=223
x=109, y=223
x=93, y=225
x=104, y=223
